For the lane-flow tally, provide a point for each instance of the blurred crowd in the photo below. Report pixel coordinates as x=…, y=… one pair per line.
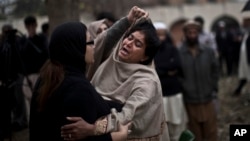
x=189, y=65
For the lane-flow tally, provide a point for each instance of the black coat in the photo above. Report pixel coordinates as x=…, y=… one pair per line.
x=168, y=59
x=248, y=49
x=74, y=97
x=34, y=53
x=224, y=42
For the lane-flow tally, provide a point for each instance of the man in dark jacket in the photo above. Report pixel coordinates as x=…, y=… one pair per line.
x=200, y=77
x=13, y=114
x=34, y=50
x=224, y=42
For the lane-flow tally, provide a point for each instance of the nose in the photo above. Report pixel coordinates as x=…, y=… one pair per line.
x=129, y=43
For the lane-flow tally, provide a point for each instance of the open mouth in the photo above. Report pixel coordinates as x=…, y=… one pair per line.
x=124, y=51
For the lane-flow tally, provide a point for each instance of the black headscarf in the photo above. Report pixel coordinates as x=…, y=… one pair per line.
x=68, y=45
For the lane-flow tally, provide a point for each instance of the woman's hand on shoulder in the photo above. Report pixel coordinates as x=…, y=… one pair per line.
x=136, y=13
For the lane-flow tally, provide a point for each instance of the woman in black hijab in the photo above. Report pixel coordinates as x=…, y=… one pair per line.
x=63, y=90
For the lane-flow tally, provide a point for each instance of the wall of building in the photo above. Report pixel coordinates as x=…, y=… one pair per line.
x=167, y=14
x=210, y=12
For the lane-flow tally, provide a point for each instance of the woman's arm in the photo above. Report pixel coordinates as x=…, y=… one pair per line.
x=81, y=100
x=105, y=42
x=143, y=108
x=82, y=130
x=115, y=32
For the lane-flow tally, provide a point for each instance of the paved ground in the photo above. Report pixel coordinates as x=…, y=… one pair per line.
x=231, y=110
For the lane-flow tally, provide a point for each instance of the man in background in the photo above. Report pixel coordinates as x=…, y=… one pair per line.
x=200, y=77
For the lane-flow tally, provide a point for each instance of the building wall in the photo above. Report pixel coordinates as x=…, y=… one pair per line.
x=210, y=12
x=179, y=2
x=167, y=14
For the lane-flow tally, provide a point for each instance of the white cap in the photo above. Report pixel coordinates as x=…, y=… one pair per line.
x=191, y=24
x=160, y=25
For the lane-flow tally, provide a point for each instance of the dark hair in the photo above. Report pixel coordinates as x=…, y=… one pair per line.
x=45, y=27
x=6, y=29
x=106, y=15
x=200, y=20
x=29, y=20
x=51, y=76
x=151, y=39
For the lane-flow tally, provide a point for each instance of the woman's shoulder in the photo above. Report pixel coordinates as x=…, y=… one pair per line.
x=76, y=81
x=148, y=76
x=76, y=89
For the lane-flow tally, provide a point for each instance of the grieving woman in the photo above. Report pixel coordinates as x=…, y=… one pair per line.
x=127, y=80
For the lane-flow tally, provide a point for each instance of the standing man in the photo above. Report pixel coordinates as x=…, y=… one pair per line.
x=34, y=54
x=9, y=82
x=224, y=42
x=34, y=49
x=244, y=60
x=200, y=77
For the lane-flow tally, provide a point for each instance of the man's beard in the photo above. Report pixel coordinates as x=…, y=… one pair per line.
x=192, y=42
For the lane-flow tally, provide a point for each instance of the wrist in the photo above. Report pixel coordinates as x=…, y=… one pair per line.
x=130, y=20
x=92, y=128
x=118, y=136
x=101, y=126
x=115, y=136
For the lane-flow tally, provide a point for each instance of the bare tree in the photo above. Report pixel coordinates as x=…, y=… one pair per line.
x=4, y=5
x=119, y=8
x=60, y=11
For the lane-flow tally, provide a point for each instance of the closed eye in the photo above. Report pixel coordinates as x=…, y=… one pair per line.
x=137, y=42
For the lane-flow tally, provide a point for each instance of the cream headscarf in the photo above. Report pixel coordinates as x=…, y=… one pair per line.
x=93, y=27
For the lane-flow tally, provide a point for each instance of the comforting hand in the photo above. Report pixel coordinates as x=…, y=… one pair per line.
x=78, y=129
x=136, y=13
x=122, y=133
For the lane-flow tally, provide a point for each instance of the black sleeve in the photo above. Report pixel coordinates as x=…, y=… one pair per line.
x=79, y=101
x=82, y=101
x=117, y=30
x=174, y=62
x=114, y=34
x=248, y=49
x=169, y=62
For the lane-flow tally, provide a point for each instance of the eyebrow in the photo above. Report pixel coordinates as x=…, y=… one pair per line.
x=136, y=39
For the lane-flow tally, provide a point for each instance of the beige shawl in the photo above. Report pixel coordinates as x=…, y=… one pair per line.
x=138, y=88
x=93, y=28
x=99, y=50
